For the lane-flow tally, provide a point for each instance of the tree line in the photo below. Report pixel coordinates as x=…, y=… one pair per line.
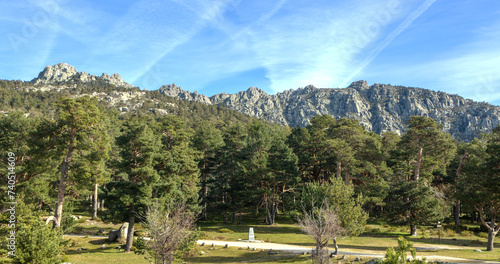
x=226, y=166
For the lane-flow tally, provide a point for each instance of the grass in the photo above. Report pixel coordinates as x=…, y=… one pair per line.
x=235, y=255
x=378, y=237
x=94, y=254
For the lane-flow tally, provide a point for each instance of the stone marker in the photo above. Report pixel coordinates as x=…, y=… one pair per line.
x=251, y=236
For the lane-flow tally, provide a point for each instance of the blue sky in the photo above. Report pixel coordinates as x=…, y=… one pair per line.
x=229, y=45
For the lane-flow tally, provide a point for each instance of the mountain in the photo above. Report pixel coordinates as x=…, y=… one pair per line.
x=64, y=73
x=378, y=107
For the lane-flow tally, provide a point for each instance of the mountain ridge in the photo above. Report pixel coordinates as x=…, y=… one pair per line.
x=379, y=107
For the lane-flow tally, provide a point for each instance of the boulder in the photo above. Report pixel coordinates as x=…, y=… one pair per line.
x=120, y=234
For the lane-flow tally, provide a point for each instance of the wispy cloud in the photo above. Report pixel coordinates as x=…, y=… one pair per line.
x=469, y=69
x=156, y=28
x=382, y=45
x=319, y=45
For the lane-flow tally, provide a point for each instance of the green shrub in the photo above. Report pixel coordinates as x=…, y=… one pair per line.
x=482, y=234
x=140, y=246
x=203, y=235
x=225, y=230
x=448, y=232
x=38, y=243
x=400, y=254
x=467, y=233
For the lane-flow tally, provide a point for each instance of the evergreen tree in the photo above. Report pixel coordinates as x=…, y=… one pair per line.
x=477, y=185
x=77, y=120
x=131, y=191
x=207, y=140
x=425, y=150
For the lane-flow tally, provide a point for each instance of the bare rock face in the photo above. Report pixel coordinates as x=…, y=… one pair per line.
x=64, y=73
x=173, y=91
x=58, y=73
x=379, y=107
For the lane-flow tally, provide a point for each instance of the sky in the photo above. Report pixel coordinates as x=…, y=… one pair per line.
x=215, y=46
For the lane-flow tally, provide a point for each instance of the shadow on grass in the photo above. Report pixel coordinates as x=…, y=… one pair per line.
x=245, y=257
x=355, y=247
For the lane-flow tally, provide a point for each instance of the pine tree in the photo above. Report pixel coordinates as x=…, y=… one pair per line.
x=425, y=150
x=77, y=120
x=131, y=191
x=478, y=186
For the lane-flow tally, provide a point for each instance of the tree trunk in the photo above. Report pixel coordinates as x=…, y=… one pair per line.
x=419, y=163
x=130, y=233
x=457, y=213
x=491, y=240
x=413, y=230
x=339, y=169
x=234, y=218
x=168, y=258
x=205, y=194
x=63, y=181
x=457, y=202
x=96, y=202
x=335, y=246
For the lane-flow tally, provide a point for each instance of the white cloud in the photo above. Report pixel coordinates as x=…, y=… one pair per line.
x=319, y=45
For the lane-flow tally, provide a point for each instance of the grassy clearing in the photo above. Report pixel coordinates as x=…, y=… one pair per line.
x=234, y=255
x=378, y=237
x=94, y=254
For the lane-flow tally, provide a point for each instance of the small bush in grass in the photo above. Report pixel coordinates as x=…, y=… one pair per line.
x=467, y=233
x=82, y=220
x=482, y=234
x=225, y=231
x=448, y=232
x=203, y=235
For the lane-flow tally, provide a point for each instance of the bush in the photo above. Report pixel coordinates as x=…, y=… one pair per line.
x=225, y=230
x=38, y=243
x=140, y=246
x=467, y=233
x=448, y=233
x=400, y=254
x=482, y=234
x=203, y=235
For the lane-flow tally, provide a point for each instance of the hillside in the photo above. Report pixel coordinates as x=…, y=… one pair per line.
x=378, y=107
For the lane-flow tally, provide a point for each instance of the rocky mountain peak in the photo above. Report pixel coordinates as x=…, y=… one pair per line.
x=53, y=74
x=379, y=107
x=63, y=72
x=362, y=84
x=173, y=91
